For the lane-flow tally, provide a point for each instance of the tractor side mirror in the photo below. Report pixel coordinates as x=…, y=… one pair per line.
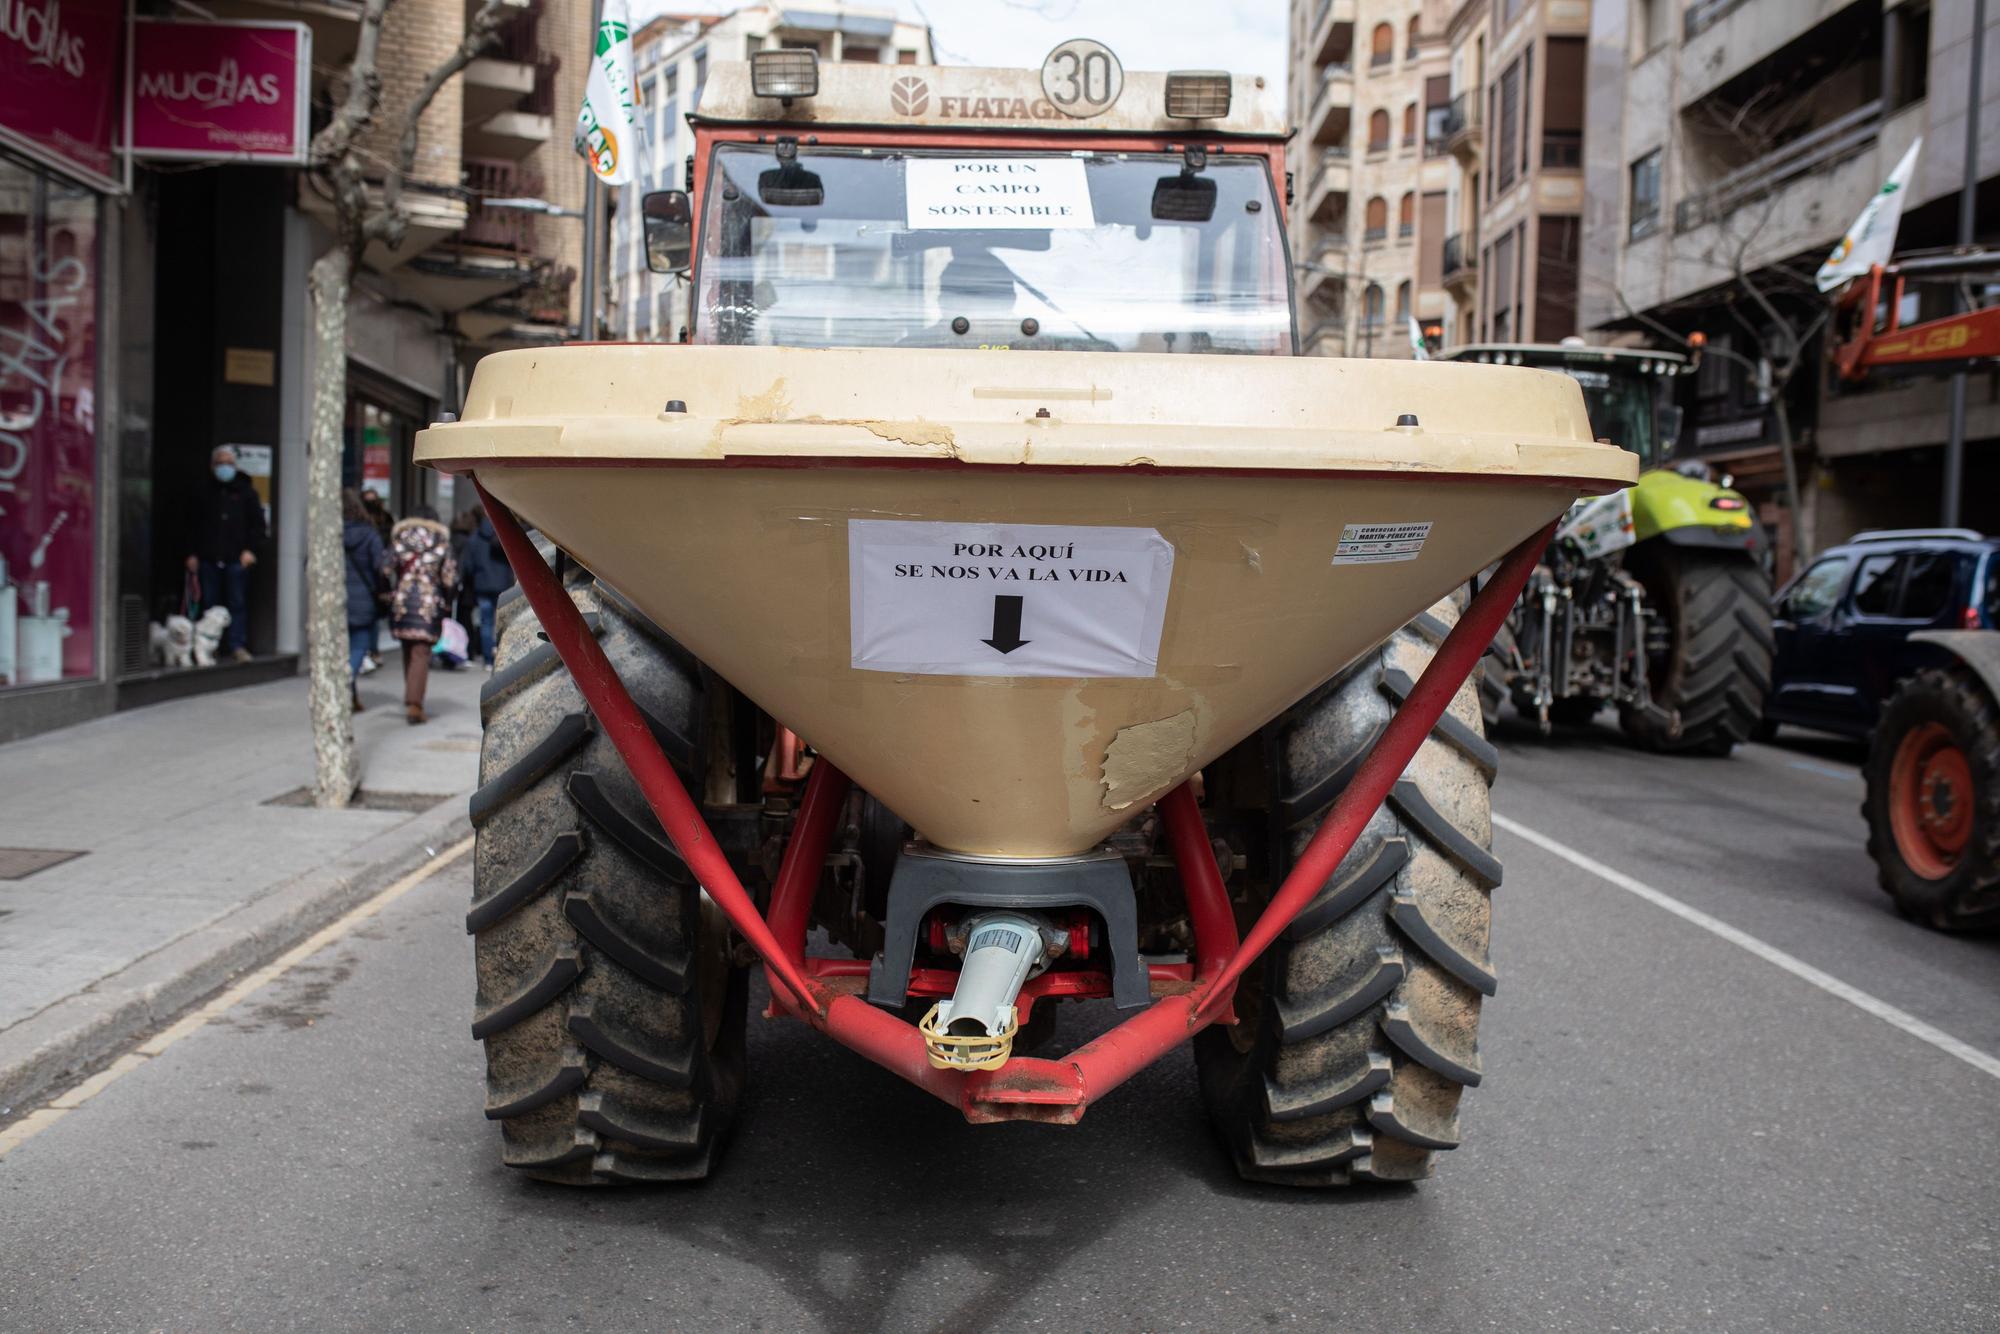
x=669, y=221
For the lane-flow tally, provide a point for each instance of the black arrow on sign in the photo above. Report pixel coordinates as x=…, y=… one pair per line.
x=1006, y=624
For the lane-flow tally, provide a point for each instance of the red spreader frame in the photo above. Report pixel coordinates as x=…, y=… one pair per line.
x=822, y=992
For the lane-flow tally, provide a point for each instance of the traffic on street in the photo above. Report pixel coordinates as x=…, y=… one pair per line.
x=1731, y=1089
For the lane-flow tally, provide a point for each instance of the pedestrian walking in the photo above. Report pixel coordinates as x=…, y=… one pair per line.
x=420, y=548
x=367, y=584
x=378, y=514
x=229, y=534
x=488, y=575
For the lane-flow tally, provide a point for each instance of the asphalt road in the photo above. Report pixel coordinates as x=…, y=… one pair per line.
x=1675, y=1132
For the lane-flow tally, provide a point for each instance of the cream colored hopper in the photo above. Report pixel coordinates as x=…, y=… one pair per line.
x=728, y=523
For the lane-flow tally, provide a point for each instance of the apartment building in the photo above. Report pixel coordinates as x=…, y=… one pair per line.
x=1368, y=79
x=1513, y=128
x=671, y=57
x=1731, y=143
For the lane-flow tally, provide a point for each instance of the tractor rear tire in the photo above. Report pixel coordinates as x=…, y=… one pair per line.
x=1933, y=800
x=612, y=1018
x=1356, y=1034
x=1716, y=667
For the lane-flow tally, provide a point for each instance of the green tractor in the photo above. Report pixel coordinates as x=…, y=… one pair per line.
x=1655, y=599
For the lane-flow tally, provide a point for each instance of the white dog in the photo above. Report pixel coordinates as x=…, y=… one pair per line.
x=175, y=642
x=208, y=633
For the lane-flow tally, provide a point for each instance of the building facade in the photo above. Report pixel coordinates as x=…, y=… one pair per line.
x=182, y=323
x=1731, y=143
x=1368, y=80
x=1514, y=129
x=671, y=56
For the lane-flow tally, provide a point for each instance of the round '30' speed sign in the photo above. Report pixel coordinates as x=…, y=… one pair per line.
x=1082, y=78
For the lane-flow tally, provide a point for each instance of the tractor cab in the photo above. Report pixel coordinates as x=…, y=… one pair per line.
x=989, y=209
x=1629, y=393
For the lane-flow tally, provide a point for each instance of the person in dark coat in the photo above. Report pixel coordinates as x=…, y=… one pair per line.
x=486, y=572
x=229, y=536
x=367, y=583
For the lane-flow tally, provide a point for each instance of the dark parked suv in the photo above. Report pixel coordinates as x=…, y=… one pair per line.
x=1843, y=624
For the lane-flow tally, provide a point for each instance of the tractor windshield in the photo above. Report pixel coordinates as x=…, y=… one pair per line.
x=1624, y=408
x=1113, y=252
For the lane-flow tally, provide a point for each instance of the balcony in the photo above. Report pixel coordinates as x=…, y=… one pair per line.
x=1461, y=266
x=1816, y=153
x=1562, y=150
x=1326, y=194
x=1459, y=127
x=1332, y=106
x=1331, y=35
x=1405, y=230
x=1324, y=280
x=1374, y=236
x=1326, y=338
x=509, y=230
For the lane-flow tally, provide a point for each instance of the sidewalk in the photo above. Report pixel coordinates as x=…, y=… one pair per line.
x=188, y=874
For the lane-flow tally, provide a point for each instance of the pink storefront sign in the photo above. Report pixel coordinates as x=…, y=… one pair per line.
x=60, y=84
x=225, y=91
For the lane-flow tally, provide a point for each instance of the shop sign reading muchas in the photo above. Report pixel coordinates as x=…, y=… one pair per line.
x=977, y=599
x=996, y=192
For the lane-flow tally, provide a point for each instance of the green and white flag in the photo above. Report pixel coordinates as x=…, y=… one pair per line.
x=605, y=131
x=1872, y=238
x=1419, y=350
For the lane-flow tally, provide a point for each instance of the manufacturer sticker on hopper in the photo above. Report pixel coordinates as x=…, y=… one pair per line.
x=978, y=599
x=1380, y=543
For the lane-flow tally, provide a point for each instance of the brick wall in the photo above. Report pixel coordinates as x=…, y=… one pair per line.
x=416, y=36
x=565, y=32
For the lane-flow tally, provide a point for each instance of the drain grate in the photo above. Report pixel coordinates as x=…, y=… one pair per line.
x=20, y=863
x=368, y=800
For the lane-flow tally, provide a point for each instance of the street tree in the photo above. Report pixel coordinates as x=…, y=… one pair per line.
x=368, y=209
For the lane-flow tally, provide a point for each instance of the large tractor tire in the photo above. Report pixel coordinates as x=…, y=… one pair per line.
x=1933, y=801
x=1356, y=1034
x=1711, y=658
x=612, y=1018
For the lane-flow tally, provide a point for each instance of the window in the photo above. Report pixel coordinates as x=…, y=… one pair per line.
x=1378, y=131
x=1817, y=589
x=1371, y=306
x=1416, y=26
x=1909, y=76
x=1875, y=585
x=1649, y=27
x=1562, y=104
x=1927, y=587
x=1382, y=46
x=906, y=57
x=1406, y=215
x=1403, y=300
x=1645, y=194
x=1503, y=289
x=1375, y=221
x=861, y=55
x=751, y=46
x=700, y=76
x=1508, y=129
x=1410, y=125
x=1556, y=239
x=1437, y=113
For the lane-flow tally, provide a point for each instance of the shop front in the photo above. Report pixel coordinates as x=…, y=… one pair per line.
x=59, y=101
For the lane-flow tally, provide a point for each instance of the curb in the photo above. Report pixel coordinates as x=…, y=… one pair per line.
x=63, y=1042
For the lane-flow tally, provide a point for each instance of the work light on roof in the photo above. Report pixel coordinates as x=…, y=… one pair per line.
x=784, y=74
x=1197, y=94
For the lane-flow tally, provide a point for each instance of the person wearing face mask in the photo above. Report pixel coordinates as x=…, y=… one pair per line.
x=229, y=533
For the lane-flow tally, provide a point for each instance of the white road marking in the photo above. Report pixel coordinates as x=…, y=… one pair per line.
x=19, y=1133
x=1771, y=954
x=1825, y=770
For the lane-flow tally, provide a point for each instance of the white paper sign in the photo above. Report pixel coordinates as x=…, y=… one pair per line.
x=951, y=194
x=977, y=599
x=1380, y=543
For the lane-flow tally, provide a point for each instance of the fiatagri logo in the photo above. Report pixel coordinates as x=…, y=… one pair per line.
x=39, y=32
x=226, y=86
